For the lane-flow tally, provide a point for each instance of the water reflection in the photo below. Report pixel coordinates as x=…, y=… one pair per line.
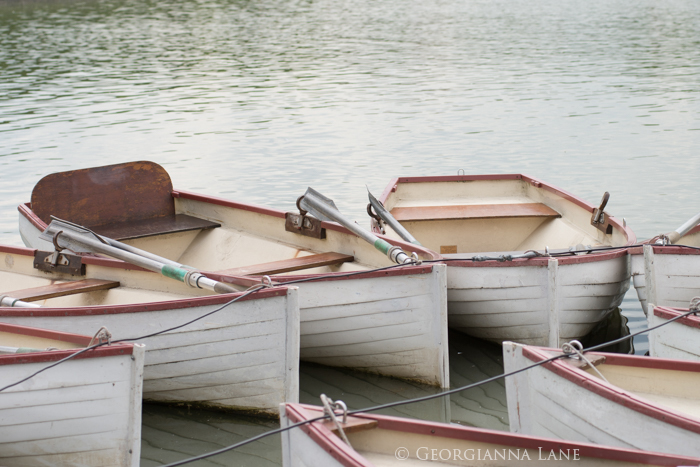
x=174, y=433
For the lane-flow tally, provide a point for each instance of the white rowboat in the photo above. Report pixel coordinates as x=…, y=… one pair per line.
x=541, y=300
x=83, y=412
x=667, y=275
x=384, y=441
x=646, y=403
x=244, y=357
x=679, y=339
x=392, y=322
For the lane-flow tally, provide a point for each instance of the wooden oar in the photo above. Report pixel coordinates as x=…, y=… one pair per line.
x=390, y=220
x=324, y=208
x=675, y=235
x=77, y=239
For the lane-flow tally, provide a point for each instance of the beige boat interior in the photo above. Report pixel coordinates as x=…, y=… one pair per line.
x=101, y=286
x=495, y=216
x=674, y=389
x=11, y=342
x=389, y=448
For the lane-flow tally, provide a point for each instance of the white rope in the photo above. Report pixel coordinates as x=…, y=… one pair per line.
x=329, y=408
x=575, y=347
x=102, y=335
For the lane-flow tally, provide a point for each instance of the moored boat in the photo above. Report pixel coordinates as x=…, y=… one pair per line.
x=679, y=339
x=243, y=357
x=489, y=229
x=667, y=275
x=85, y=411
x=623, y=400
x=378, y=440
x=391, y=321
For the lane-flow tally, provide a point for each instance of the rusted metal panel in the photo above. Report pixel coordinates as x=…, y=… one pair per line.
x=105, y=195
x=59, y=262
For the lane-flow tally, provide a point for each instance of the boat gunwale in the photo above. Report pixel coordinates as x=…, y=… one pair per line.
x=617, y=394
x=80, y=340
x=348, y=456
x=667, y=250
x=629, y=234
x=670, y=313
x=163, y=305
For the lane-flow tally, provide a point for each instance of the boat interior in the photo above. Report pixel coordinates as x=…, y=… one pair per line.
x=136, y=206
x=673, y=389
x=379, y=447
x=14, y=341
x=101, y=285
x=495, y=216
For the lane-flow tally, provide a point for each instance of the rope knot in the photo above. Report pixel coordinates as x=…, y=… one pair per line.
x=102, y=335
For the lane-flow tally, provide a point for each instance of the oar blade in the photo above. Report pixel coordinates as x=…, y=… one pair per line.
x=390, y=220
x=319, y=198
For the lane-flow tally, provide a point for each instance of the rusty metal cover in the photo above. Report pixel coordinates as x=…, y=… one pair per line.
x=68, y=264
x=308, y=226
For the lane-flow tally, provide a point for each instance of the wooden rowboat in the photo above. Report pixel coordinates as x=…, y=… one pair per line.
x=392, y=322
x=378, y=440
x=539, y=300
x=83, y=412
x=646, y=403
x=667, y=275
x=245, y=357
x=679, y=339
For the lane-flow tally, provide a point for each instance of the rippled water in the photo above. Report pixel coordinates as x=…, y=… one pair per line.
x=256, y=100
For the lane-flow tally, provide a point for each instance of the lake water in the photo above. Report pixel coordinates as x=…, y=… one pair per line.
x=256, y=100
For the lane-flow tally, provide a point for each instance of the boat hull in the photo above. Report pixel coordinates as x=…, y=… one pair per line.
x=243, y=357
x=84, y=412
x=679, y=339
x=666, y=275
x=558, y=400
x=537, y=302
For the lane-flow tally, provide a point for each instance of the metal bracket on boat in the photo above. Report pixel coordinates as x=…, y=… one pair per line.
x=102, y=335
x=375, y=217
x=301, y=224
x=59, y=262
x=574, y=350
x=694, y=305
x=600, y=220
x=329, y=408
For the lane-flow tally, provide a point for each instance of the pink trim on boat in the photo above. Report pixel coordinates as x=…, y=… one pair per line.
x=667, y=250
x=55, y=355
x=616, y=394
x=328, y=441
x=670, y=313
x=322, y=436
x=142, y=307
x=337, y=276
x=540, y=261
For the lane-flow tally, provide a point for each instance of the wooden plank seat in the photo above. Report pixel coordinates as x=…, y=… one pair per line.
x=61, y=289
x=119, y=201
x=472, y=211
x=288, y=265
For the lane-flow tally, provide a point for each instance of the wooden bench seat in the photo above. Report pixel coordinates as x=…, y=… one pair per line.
x=61, y=289
x=120, y=201
x=472, y=211
x=288, y=265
